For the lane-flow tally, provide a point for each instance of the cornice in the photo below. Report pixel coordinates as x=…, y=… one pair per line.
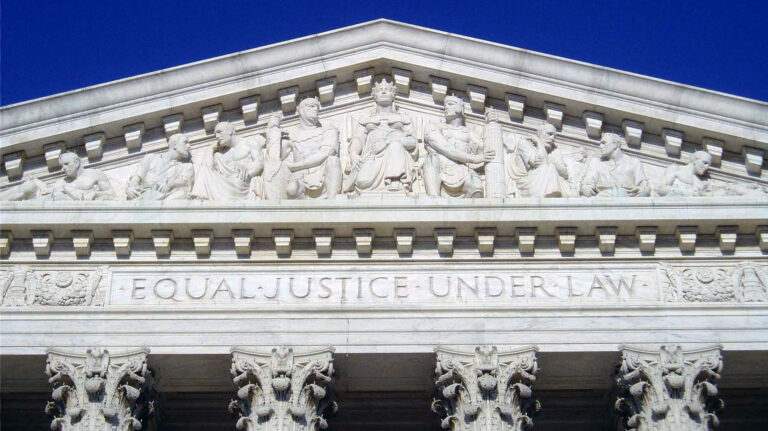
x=539, y=77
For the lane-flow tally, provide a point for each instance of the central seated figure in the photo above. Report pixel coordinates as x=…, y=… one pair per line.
x=383, y=148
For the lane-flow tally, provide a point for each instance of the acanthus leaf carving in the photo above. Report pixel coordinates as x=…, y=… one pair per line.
x=485, y=390
x=282, y=390
x=669, y=389
x=101, y=391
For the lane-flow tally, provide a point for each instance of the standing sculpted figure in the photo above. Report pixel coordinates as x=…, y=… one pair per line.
x=383, y=147
x=225, y=170
x=314, y=149
x=454, y=155
x=615, y=174
x=163, y=176
x=536, y=166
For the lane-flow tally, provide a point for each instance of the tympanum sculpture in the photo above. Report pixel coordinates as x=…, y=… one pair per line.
x=383, y=148
x=455, y=154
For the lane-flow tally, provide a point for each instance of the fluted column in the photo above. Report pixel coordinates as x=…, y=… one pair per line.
x=485, y=390
x=282, y=390
x=669, y=389
x=99, y=391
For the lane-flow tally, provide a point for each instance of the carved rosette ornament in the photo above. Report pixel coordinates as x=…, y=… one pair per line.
x=669, y=390
x=282, y=390
x=99, y=391
x=485, y=390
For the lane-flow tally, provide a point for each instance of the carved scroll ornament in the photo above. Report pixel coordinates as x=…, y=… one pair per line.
x=485, y=390
x=99, y=391
x=669, y=389
x=282, y=390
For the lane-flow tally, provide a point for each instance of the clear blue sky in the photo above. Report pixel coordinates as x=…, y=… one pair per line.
x=53, y=46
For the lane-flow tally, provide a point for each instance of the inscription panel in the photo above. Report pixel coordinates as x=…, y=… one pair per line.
x=395, y=285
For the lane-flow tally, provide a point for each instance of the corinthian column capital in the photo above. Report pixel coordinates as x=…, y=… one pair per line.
x=99, y=390
x=669, y=389
x=282, y=390
x=485, y=390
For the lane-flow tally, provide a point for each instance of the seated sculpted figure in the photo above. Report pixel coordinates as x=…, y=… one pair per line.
x=537, y=166
x=454, y=154
x=225, y=170
x=688, y=180
x=614, y=174
x=311, y=154
x=80, y=184
x=164, y=176
x=383, y=147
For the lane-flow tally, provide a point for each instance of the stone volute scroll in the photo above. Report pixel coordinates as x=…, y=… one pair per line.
x=282, y=390
x=100, y=391
x=669, y=389
x=485, y=390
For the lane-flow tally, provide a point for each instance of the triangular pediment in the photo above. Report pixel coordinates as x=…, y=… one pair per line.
x=113, y=125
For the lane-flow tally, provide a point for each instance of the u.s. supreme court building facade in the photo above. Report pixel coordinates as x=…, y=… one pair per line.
x=384, y=227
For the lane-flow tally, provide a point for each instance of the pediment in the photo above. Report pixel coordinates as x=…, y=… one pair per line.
x=114, y=125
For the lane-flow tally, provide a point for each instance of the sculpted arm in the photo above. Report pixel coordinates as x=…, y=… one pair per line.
x=589, y=183
x=132, y=190
x=329, y=147
x=356, y=144
x=409, y=140
x=105, y=190
x=256, y=166
x=641, y=181
x=436, y=140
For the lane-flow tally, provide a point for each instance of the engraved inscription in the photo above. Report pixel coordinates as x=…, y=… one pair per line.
x=415, y=287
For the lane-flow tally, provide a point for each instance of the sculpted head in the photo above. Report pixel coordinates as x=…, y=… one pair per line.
x=384, y=92
x=224, y=132
x=454, y=107
x=610, y=144
x=70, y=164
x=547, y=133
x=309, y=110
x=178, y=145
x=701, y=162
x=274, y=120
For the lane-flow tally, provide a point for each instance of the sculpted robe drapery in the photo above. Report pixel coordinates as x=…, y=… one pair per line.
x=454, y=174
x=217, y=179
x=393, y=162
x=541, y=181
x=154, y=171
x=613, y=179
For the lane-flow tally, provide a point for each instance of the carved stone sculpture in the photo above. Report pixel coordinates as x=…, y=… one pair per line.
x=614, y=174
x=164, y=176
x=225, y=171
x=80, y=184
x=99, y=391
x=485, y=390
x=536, y=166
x=383, y=148
x=454, y=155
x=276, y=173
x=67, y=288
x=282, y=390
x=669, y=389
x=691, y=179
x=745, y=282
x=14, y=283
x=312, y=156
